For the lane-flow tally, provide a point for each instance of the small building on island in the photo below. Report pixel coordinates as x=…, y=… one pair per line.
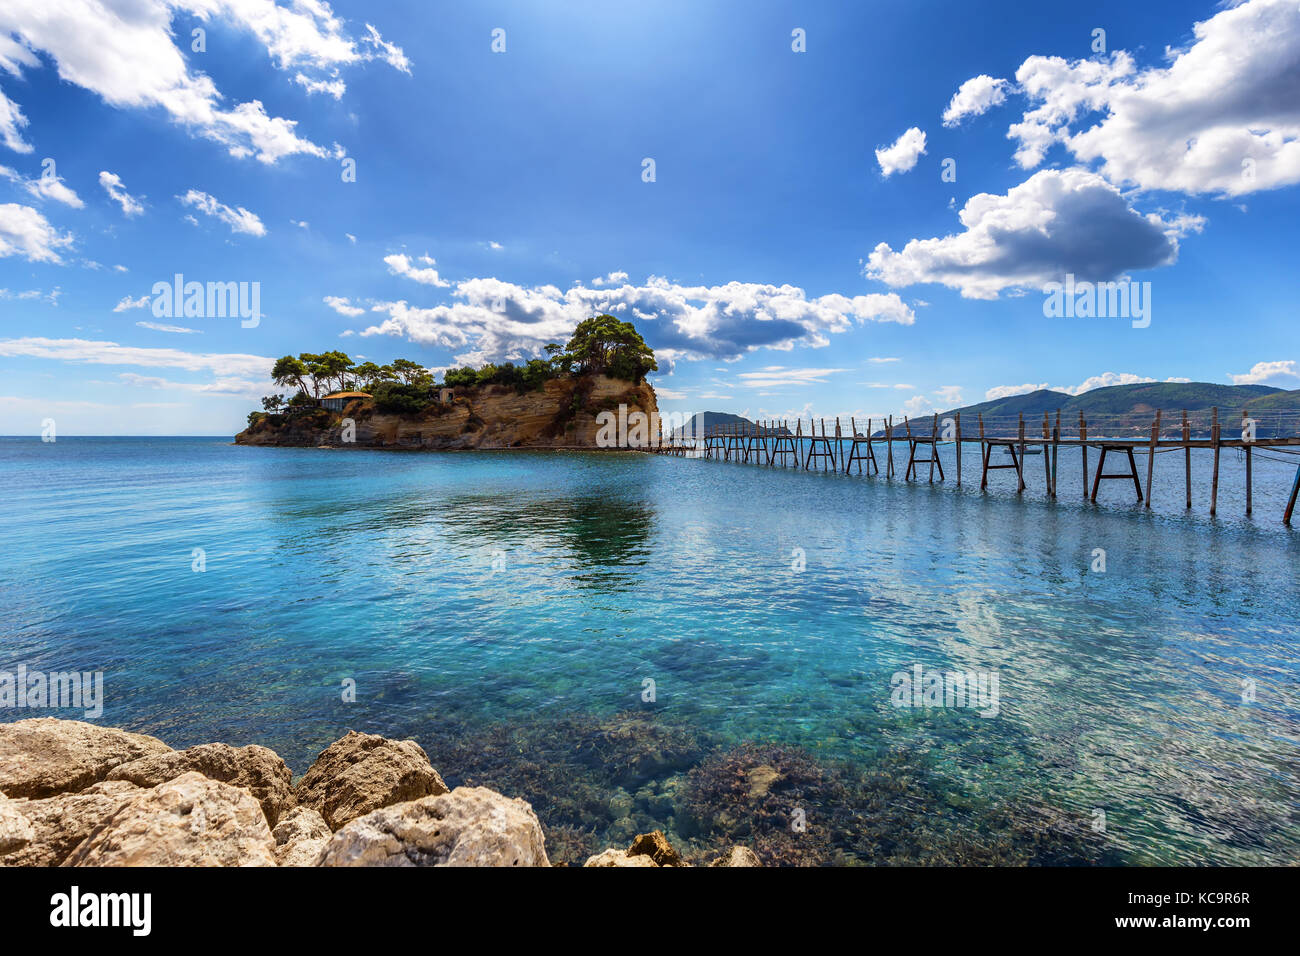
x=338, y=401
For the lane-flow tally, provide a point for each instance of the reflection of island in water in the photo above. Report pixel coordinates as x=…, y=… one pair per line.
x=607, y=537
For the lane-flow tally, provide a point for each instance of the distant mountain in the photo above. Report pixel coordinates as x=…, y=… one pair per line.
x=704, y=422
x=1128, y=410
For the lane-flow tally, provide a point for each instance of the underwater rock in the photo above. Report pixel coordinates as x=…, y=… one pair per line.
x=256, y=769
x=648, y=849
x=42, y=756
x=363, y=772
x=300, y=837
x=189, y=821
x=470, y=826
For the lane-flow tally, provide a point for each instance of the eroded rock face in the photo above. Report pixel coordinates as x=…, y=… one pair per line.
x=360, y=773
x=471, y=826
x=61, y=822
x=256, y=769
x=612, y=857
x=43, y=756
x=300, y=837
x=190, y=821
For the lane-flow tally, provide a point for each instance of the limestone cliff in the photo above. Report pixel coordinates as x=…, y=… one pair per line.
x=562, y=414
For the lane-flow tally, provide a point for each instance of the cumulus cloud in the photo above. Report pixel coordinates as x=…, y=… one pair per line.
x=130, y=303
x=975, y=97
x=903, y=154
x=1266, y=372
x=343, y=306
x=1055, y=223
x=25, y=232
x=44, y=187
x=112, y=183
x=1222, y=118
x=134, y=61
x=401, y=265
x=493, y=320
x=239, y=219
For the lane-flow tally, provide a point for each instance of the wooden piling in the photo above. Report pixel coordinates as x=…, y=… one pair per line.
x=1214, y=481
x=1187, y=459
x=1245, y=414
x=1083, y=439
x=958, y=449
x=1151, y=454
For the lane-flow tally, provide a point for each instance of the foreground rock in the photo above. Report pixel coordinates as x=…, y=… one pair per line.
x=471, y=826
x=15, y=828
x=648, y=849
x=364, y=772
x=300, y=837
x=739, y=856
x=256, y=769
x=61, y=822
x=190, y=821
x=42, y=756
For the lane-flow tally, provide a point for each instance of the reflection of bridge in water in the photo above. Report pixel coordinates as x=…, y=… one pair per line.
x=832, y=448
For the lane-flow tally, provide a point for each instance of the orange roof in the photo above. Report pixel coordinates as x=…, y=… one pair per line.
x=347, y=395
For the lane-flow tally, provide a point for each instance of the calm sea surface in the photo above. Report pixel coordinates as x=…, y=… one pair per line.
x=508, y=611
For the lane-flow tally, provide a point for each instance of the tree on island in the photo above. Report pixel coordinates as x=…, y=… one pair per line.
x=605, y=345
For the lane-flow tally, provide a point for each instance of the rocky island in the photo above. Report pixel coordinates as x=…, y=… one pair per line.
x=555, y=402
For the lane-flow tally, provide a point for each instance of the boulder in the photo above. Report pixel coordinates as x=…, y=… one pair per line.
x=42, y=756
x=739, y=856
x=16, y=829
x=256, y=769
x=300, y=836
x=61, y=822
x=360, y=773
x=470, y=826
x=190, y=821
x=648, y=849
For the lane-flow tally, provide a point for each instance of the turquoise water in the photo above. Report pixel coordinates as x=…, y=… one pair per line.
x=505, y=610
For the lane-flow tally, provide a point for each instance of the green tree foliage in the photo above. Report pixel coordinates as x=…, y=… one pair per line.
x=397, y=398
x=603, y=344
x=289, y=371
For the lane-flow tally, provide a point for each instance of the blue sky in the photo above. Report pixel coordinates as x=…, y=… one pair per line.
x=501, y=196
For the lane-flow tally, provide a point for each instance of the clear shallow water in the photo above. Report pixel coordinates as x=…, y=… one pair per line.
x=1119, y=691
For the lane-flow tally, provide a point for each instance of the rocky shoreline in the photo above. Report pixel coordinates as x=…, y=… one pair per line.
x=77, y=794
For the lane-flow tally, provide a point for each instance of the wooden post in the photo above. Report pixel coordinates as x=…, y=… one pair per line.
x=1245, y=414
x=1020, y=471
x=1290, y=505
x=984, y=456
x=934, y=443
x=1056, y=444
x=959, y=449
x=889, y=447
x=1151, y=454
x=1047, y=460
x=1083, y=439
x=1187, y=457
x=1214, y=480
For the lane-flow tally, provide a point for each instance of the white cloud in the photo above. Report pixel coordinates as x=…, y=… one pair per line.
x=130, y=303
x=351, y=238
x=1264, y=372
x=1054, y=223
x=1222, y=118
x=160, y=327
x=44, y=187
x=949, y=394
x=903, y=154
x=614, y=278
x=112, y=183
x=12, y=121
x=238, y=219
x=494, y=320
x=494, y=245
x=775, y=376
x=234, y=373
x=400, y=265
x=133, y=61
x=975, y=97
x=343, y=306
x=25, y=232
x=1104, y=380
x=335, y=87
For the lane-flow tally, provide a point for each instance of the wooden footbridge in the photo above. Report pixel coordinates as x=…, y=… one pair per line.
x=833, y=448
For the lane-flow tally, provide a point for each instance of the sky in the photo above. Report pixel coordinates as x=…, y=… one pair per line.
x=825, y=209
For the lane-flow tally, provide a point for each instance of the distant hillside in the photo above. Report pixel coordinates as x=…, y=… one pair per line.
x=1128, y=410
x=710, y=420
